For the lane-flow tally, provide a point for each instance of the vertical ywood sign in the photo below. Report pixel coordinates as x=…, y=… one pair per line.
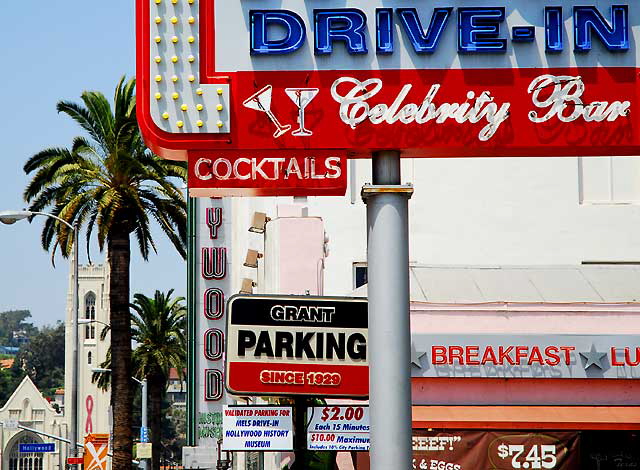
x=212, y=288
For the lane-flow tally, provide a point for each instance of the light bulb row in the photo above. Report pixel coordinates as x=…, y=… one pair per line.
x=183, y=107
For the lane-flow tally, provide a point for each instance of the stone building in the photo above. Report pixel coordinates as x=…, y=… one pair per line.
x=31, y=410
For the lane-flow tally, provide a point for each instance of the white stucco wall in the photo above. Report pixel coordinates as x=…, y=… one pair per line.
x=502, y=211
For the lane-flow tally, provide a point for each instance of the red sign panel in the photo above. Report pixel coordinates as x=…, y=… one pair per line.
x=496, y=450
x=297, y=345
x=268, y=173
x=434, y=79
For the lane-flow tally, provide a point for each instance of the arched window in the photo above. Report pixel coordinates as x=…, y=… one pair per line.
x=22, y=461
x=89, y=358
x=90, y=314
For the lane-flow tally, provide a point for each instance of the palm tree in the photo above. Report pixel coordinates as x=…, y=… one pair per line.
x=109, y=181
x=158, y=328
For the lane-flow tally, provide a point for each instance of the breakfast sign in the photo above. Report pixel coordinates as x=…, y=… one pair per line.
x=276, y=93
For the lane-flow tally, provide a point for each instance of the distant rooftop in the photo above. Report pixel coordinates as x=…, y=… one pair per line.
x=550, y=284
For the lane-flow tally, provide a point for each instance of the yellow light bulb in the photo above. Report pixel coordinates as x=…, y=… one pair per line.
x=175, y=96
x=180, y=124
x=158, y=78
x=191, y=39
x=192, y=78
x=158, y=96
x=190, y=2
x=158, y=2
x=158, y=20
x=219, y=91
x=165, y=115
x=174, y=39
x=158, y=59
x=174, y=19
x=191, y=59
x=157, y=39
x=219, y=107
x=191, y=20
x=199, y=107
x=199, y=123
x=174, y=59
x=174, y=78
x=174, y=1
x=219, y=124
x=199, y=91
x=184, y=107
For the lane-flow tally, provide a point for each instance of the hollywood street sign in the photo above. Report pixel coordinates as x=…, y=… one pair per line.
x=297, y=345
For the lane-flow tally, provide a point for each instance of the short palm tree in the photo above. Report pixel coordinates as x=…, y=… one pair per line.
x=110, y=183
x=158, y=326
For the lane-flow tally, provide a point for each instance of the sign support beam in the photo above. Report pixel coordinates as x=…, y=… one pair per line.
x=389, y=329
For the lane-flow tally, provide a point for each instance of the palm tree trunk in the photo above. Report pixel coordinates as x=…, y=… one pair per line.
x=157, y=385
x=121, y=387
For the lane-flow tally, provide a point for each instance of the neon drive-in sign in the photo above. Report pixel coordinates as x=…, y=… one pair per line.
x=235, y=79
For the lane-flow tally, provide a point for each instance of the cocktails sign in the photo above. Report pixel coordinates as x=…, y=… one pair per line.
x=233, y=79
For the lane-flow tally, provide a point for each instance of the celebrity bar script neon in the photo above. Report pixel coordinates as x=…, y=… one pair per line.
x=437, y=78
x=297, y=345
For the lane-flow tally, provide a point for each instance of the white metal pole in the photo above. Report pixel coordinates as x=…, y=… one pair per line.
x=143, y=462
x=73, y=418
x=389, y=329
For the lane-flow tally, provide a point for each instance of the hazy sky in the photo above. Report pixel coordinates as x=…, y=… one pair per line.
x=52, y=51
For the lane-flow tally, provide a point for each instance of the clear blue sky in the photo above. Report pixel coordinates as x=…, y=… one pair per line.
x=53, y=51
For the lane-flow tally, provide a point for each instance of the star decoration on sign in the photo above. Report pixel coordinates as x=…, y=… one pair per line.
x=593, y=358
x=416, y=355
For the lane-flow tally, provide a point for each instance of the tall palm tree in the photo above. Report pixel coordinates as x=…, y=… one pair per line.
x=158, y=326
x=111, y=183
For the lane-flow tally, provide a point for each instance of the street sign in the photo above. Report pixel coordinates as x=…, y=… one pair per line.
x=144, y=450
x=257, y=428
x=10, y=424
x=144, y=434
x=297, y=345
x=75, y=460
x=36, y=448
x=447, y=78
x=96, y=449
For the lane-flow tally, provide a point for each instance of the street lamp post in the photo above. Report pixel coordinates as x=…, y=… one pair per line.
x=143, y=383
x=11, y=217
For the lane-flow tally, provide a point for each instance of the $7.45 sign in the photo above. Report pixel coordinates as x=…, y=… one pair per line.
x=338, y=428
x=531, y=451
x=534, y=457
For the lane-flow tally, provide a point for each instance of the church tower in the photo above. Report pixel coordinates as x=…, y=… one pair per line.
x=93, y=403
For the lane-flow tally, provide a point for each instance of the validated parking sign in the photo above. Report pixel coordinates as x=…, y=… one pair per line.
x=297, y=345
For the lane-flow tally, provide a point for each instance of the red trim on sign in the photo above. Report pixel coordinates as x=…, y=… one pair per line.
x=244, y=378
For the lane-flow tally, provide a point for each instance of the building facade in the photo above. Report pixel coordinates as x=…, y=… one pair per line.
x=535, y=231
x=93, y=403
x=29, y=408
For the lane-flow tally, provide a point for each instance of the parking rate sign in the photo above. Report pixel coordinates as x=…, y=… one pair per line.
x=431, y=78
